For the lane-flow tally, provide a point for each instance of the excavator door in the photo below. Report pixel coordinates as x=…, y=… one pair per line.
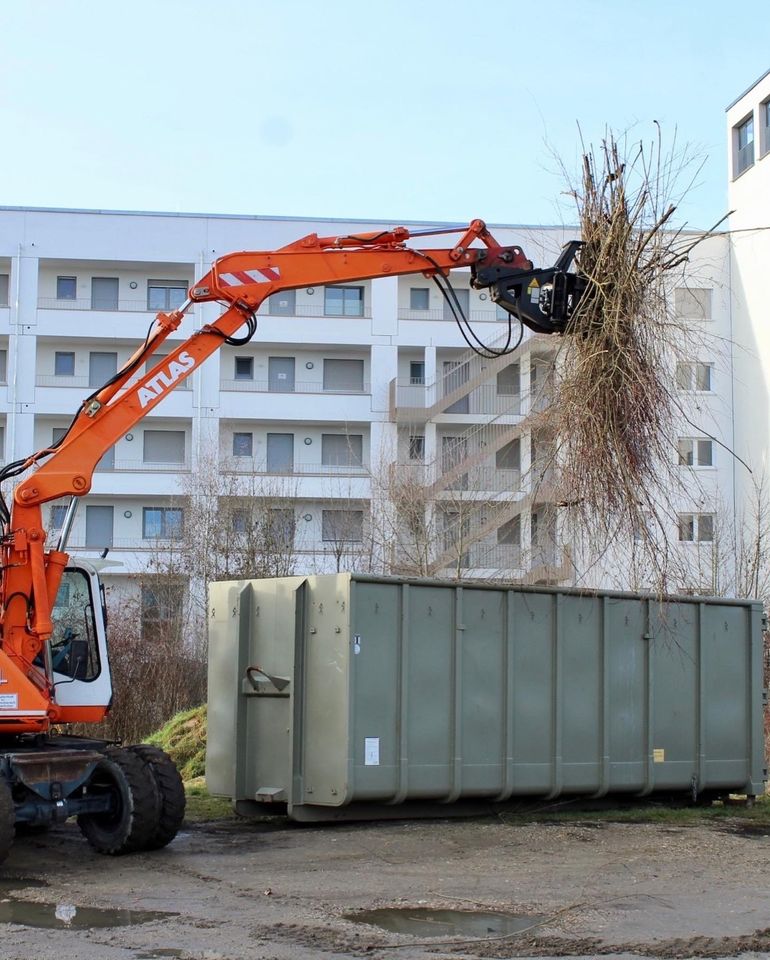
x=81, y=669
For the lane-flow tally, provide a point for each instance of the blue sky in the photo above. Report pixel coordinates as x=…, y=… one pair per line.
x=400, y=110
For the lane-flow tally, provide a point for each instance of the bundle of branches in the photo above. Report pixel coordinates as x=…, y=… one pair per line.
x=614, y=403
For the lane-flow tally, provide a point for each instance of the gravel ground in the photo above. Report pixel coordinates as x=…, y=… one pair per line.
x=275, y=891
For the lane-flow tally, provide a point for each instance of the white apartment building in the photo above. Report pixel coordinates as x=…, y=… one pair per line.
x=352, y=397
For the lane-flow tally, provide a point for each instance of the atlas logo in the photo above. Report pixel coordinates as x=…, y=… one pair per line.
x=166, y=378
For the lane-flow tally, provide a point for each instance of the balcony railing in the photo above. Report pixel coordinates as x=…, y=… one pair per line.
x=300, y=386
x=484, y=399
x=475, y=316
x=249, y=466
x=744, y=158
x=309, y=310
x=84, y=383
x=142, y=466
x=86, y=303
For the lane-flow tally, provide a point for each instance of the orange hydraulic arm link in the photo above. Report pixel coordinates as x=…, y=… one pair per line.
x=241, y=281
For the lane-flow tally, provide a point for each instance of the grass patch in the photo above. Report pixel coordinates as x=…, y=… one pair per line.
x=202, y=807
x=652, y=811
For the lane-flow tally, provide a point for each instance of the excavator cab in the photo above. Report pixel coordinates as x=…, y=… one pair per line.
x=78, y=645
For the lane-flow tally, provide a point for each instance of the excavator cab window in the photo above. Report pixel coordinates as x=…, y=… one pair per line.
x=74, y=650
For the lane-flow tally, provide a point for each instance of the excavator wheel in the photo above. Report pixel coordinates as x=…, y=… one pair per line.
x=7, y=820
x=171, y=794
x=133, y=818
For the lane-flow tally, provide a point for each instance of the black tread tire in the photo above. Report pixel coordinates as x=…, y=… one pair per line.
x=130, y=826
x=7, y=820
x=171, y=793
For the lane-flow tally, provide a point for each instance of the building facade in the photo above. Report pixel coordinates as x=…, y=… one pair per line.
x=357, y=414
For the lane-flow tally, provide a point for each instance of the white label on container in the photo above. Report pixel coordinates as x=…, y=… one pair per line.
x=9, y=701
x=372, y=751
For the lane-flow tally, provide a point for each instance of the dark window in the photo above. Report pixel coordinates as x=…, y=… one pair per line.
x=161, y=523
x=508, y=457
x=64, y=364
x=509, y=381
x=240, y=521
x=344, y=301
x=165, y=294
x=510, y=532
x=66, y=288
x=419, y=298
x=244, y=368
x=280, y=528
x=417, y=372
x=695, y=453
x=3, y=366
x=243, y=444
x=342, y=526
x=3, y=289
x=744, y=146
x=417, y=448
x=58, y=512
x=162, y=609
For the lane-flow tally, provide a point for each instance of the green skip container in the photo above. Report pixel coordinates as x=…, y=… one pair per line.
x=350, y=696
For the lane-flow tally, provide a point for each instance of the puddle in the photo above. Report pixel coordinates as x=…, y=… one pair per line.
x=422, y=922
x=63, y=916
x=160, y=952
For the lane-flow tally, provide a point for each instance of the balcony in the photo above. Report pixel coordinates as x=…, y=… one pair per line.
x=300, y=386
x=86, y=303
x=246, y=466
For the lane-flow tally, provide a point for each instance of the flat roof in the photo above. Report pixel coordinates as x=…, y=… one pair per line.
x=287, y=219
x=747, y=90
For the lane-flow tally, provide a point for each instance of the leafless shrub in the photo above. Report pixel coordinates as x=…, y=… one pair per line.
x=614, y=407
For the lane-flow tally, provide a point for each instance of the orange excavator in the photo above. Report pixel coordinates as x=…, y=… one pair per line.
x=54, y=663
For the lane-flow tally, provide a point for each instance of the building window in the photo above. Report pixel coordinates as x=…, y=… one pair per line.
x=693, y=303
x=3, y=289
x=162, y=523
x=693, y=377
x=764, y=125
x=696, y=527
x=244, y=368
x=64, y=364
x=344, y=376
x=66, y=288
x=419, y=298
x=344, y=301
x=744, y=146
x=281, y=525
x=162, y=607
x=509, y=381
x=3, y=366
x=239, y=520
x=342, y=526
x=342, y=449
x=57, y=515
x=417, y=448
x=695, y=452
x=510, y=532
x=165, y=294
x=508, y=457
x=243, y=444
x=417, y=372
x=164, y=446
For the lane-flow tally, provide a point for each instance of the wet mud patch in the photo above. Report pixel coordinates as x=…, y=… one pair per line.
x=424, y=922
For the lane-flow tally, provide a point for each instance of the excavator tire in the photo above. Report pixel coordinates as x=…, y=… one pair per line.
x=132, y=822
x=7, y=820
x=171, y=794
